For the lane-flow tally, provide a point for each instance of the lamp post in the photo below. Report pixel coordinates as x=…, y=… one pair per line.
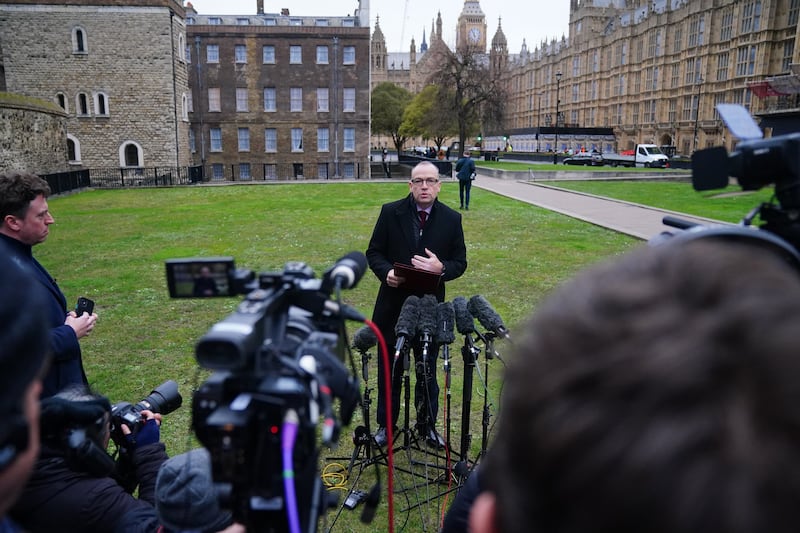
x=697, y=112
x=538, y=122
x=558, y=101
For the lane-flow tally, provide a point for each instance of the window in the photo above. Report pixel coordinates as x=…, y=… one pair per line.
x=726, y=26
x=268, y=54
x=295, y=22
x=349, y=102
x=686, y=112
x=321, y=22
x=270, y=171
x=242, y=22
x=295, y=55
x=295, y=99
x=677, y=44
x=349, y=139
x=244, y=171
x=130, y=155
x=216, y=139
x=61, y=99
x=745, y=60
x=82, y=104
x=182, y=47
x=269, y=99
x=79, y=42
x=184, y=107
x=751, y=16
x=213, y=99
x=270, y=140
x=676, y=75
x=794, y=12
x=323, y=140
x=349, y=170
x=189, y=102
x=214, y=21
x=244, y=139
x=322, y=100
x=696, y=29
x=217, y=171
x=297, y=139
x=322, y=55
x=101, y=104
x=73, y=150
x=788, y=53
x=212, y=53
x=322, y=171
x=722, y=66
x=240, y=53
x=187, y=54
x=241, y=100
x=650, y=111
x=349, y=55
x=673, y=114
x=192, y=141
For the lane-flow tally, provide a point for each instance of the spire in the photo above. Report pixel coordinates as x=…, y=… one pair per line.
x=424, y=46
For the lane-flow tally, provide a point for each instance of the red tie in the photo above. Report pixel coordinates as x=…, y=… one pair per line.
x=423, y=216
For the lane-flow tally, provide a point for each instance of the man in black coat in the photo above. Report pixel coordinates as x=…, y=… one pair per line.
x=24, y=222
x=434, y=243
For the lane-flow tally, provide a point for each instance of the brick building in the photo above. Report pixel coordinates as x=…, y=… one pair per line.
x=276, y=95
x=117, y=68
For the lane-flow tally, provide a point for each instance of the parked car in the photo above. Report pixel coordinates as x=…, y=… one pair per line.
x=584, y=158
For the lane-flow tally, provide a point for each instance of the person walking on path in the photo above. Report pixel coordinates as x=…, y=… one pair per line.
x=387, y=172
x=465, y=171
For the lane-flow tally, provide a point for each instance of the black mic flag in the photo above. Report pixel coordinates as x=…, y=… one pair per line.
x=480, y=308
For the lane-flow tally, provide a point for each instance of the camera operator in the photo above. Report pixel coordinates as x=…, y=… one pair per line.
x=76, y=485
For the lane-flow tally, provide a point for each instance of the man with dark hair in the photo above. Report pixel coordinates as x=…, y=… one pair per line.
x=656, y=393
x=23, y=353
x=76, y=485
x=24, y=223
x=420, y=231
x=465, y=172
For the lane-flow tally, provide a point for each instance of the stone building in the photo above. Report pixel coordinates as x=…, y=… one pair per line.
x=276, y=95
x=32, y=136
x=117, y=69
x=654, y=70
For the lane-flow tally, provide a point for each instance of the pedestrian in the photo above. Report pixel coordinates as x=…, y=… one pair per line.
x=433, y=242
x=387, y=172
x=465, y=171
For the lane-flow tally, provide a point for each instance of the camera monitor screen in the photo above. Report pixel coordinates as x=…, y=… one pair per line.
x=201, y=277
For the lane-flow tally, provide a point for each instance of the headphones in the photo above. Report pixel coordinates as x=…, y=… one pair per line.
x=79, y=428
x=13, y=438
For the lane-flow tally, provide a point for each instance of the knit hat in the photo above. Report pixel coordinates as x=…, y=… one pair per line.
x=185, y=495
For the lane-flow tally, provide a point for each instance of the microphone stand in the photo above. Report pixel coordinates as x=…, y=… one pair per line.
x=489, y=354
x=469, y=352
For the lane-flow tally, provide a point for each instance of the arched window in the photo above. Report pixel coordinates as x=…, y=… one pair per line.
x=80, y=43
x=73, y=150
x=61, y=100
x=82, y=104
x=182, y=47
x=130, y=155
x=185, y=107
x=101, y=104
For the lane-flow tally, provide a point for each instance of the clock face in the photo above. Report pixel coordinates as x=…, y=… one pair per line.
x=474, y=35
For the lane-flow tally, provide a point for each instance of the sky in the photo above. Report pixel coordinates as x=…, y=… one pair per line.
x=400, y=20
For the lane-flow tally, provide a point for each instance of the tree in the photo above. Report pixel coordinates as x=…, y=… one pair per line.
x=470, y=91
x=389, y=102
x=425, y=118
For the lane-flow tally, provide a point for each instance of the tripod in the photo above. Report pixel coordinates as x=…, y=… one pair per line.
x=469, y=353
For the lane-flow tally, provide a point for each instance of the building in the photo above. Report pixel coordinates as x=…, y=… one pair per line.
x=117, y=70
x=275, y=95
x=654, y=70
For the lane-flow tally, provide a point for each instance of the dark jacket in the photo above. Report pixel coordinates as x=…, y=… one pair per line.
x=465, y=168
x=67, y=366
x=395, y=239
x=58, y=498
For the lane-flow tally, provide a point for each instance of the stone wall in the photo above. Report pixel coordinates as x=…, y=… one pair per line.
x=32, y=135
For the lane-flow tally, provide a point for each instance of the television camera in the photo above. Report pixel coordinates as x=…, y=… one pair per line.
x=278, y=362
x=755, y=163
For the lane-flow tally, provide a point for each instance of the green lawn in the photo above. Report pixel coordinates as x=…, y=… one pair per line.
x=111, y=247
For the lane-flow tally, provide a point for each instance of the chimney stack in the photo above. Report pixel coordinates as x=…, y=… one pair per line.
x=259, y=7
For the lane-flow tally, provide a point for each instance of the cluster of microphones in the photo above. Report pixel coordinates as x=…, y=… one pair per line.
x=433, y=322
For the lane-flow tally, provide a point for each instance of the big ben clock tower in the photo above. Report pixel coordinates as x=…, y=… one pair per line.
x=471, y=30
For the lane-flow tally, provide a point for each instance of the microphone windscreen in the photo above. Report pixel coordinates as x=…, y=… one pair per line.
x=364, y=339
x=465, y=324
x=445, y=318
x=481, y=309
x=407, y=321
x=426, y=323
x=349, y=268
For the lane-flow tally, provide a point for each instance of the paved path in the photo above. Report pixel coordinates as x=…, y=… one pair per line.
x=625, y=217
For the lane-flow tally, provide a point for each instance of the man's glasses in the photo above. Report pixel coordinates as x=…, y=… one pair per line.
x=426, y=181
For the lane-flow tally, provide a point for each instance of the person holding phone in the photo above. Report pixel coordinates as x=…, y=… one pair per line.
x=25, y=221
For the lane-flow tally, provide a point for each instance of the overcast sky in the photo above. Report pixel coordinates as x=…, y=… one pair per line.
x=532, y=20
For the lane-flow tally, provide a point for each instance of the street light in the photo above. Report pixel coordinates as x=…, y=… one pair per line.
x=539, y=122
x=697, y=111
x=558, y=101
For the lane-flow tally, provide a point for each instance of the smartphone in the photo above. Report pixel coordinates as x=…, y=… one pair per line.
x=84, y=305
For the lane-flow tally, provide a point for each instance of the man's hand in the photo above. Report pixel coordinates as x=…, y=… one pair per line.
x=149, y=433
x=393, y=280
x=430, y=263
x=82, y=325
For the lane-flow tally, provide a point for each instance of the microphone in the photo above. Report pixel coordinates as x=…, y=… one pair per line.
x=406, y=326
x=480, y=308
x=347, y=271
x=465, y=324
x=445, y=318
x=426, y=326
x=364, y=339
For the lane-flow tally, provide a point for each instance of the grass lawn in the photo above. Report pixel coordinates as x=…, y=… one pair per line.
x=111, y=245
